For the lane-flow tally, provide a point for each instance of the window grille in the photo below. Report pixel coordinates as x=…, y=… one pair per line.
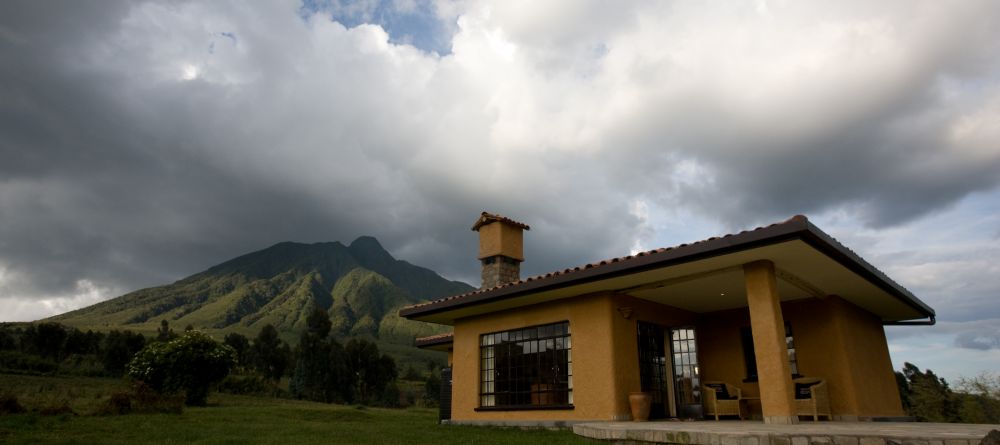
x=526, y=368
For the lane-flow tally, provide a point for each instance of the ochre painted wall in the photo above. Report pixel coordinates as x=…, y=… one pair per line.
x=501, y=239
x=720, y=352
x=845, y=345
x=834, y=340
x=604, y=354
x=626, y=341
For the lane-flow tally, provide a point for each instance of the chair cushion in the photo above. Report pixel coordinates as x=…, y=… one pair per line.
x=804, y=390
x=721, y=392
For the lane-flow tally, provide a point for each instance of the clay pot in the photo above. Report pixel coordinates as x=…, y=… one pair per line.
x=640, y=402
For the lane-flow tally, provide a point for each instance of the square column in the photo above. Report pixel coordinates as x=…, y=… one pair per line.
x=768, y=326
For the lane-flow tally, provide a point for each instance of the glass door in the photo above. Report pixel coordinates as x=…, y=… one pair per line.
x=687, y=380
x=652, y=366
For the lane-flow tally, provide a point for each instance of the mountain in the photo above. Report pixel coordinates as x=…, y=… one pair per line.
x=361, y=286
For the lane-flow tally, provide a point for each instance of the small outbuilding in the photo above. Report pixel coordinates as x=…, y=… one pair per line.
x=775, y=323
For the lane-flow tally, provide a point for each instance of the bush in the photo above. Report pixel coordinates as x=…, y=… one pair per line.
x=141, y=399
x=26, y=363
x=56, y=408
x=10, y=405
x=119, y=403
x=432, y=390
x=191, y=363
x=82, y=364
x=248, y=384
x=390, y=396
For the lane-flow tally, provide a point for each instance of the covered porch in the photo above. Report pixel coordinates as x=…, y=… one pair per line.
x=791, y=335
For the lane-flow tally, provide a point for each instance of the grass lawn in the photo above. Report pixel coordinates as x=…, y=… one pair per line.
x=234, y=420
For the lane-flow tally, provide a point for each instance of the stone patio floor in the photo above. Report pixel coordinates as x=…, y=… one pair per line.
x=804, y=433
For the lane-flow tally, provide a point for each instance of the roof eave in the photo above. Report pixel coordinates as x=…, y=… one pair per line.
x=795, y=228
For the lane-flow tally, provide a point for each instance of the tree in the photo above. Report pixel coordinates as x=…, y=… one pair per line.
x=269, y=355
x=979, y=398
x=432, y=390
x=315, y=375
x=8, y=341
x=119, y=347
x=45, y=339
x=928, y=396
x=189, y=363
x=371, y=370
x=240, y=344
x=77, y=342
x=164, y=332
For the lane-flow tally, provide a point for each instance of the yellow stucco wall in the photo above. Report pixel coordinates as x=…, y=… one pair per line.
x=501, y=239
x=834, y=340
x=845, y=345
x=605, y=354
x=720, y=350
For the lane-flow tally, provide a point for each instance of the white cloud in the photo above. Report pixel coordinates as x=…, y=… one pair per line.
x=180, y=135
x=29, y=307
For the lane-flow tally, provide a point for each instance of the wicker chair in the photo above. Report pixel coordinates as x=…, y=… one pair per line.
x=722, y=407
x=818, y=402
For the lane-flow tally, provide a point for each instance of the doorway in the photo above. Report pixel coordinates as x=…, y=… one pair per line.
x=653, y=367
x=686, y=376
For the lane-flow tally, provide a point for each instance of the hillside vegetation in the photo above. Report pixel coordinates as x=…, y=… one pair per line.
x=361, y=286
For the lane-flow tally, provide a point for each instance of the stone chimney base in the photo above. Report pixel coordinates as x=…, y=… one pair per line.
x=499, y=270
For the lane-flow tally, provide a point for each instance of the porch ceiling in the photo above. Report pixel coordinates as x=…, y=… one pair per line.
x=803, y=272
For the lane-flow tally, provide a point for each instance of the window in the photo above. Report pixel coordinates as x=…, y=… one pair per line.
x=652, y=366
x=526, y=368
x=687, y=379
x=751, y=360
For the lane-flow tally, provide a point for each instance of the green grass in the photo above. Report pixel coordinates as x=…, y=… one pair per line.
x=235, y=420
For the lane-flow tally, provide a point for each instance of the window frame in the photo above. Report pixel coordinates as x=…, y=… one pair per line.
x=532, y=387
x=750, y=357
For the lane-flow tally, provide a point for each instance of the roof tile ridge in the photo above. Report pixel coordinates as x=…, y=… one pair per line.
x=799, y=218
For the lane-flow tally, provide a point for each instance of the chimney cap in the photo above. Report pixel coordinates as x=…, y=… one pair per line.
x=489, y=218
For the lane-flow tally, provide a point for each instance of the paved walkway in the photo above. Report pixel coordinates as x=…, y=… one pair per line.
x=805, y=433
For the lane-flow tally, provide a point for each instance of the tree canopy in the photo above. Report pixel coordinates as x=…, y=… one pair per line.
x=191, y=363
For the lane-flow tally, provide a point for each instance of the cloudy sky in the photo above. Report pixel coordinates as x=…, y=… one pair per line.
x=143, y=141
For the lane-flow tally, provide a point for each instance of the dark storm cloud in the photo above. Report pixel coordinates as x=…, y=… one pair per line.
x=144, y=141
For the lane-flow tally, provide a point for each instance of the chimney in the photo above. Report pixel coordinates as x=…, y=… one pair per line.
x=500, y=248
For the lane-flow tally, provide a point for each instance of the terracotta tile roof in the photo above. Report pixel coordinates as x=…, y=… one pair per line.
x=436, y=339
x=790, y=228
x=488, y=218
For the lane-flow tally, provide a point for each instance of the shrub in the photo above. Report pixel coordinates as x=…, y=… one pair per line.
x=10, y=405
x=140, y=399
x=432, y=390
x=119, y=403
x=390, y=396
x=190, y=363
x=56, y=408
x=248, y=384
x=26, y=363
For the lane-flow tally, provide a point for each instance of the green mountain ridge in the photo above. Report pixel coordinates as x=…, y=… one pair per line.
x=362, y=286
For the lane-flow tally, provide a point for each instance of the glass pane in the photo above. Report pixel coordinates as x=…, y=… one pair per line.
x=520, y=369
